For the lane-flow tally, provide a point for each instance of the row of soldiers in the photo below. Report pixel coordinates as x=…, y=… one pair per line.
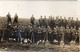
x=46, y=29
x=37, y=33
x=59, y=21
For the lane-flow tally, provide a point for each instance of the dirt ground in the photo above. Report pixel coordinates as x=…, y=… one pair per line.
x=38, y=48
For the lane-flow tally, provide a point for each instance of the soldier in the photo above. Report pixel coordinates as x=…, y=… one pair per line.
x=56, y=34
x=45, y=22
x=69, y=22
x=19, y=35
x=26, y=32
x=30, y=32
x=8, y=18
x=72, y=23
x=1, y=34
x=22, y=31
x=48, y=33
x=32, y=20
x=52, y=23
x=35, y=33
x=16, y=33
x=15, y=18
x=57, y=21
x=8, y=29
x=41, y=21
x=77, y=24
x=44, y=33
x=60, y=21
x=72, y=33
x=67, y=35
x=61, y=33
x=39, y=36
x=77, y=39
x=64, y=22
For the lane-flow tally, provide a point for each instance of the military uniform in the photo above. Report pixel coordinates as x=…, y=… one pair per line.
x=73, y=23
x=32, y=20
x=16, y=18
x=48, y=34
x=61, y=33
x=77, y=36
x=64, y=22
x=52, y=23
x=60, y=22
x=45, y=22
x=1, y=34
x=72, y=34
x=39, y=33
x=56, y=34
x=69, y=22
x=57, y=21
x=77, y=24
x=8, y=18
x=35, y=33
x=30, y=35
x=67, y=35
x=41, y=21
x=44, y=33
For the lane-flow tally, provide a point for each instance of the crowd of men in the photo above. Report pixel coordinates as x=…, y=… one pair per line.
x=45, y=29
x=61, y=29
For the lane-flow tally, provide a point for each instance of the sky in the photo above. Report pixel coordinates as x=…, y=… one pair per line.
x=25, y=9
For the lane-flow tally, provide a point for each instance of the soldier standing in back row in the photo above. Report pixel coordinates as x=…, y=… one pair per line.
x=32, y=20
x=41, y=21
x=73, y=23
x=8, y=18
x=77, y=24
x=64, y=22
x=16, y=18
x=69, y=22
x=60, y=21
x=57, y=21
x=45, y=22
x=51, y=22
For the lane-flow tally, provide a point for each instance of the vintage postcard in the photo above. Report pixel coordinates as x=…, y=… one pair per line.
x=39, y=25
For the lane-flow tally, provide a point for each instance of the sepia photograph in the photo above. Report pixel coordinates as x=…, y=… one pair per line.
x=39, y=25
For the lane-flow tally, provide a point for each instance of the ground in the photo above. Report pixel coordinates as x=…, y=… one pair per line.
x=38, y=48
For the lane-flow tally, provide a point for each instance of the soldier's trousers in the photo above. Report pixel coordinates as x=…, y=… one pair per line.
x=40, y=36
x=66, y=38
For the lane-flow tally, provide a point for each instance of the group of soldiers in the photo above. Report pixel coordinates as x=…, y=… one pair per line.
x=65, y=30
x=45, y=29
